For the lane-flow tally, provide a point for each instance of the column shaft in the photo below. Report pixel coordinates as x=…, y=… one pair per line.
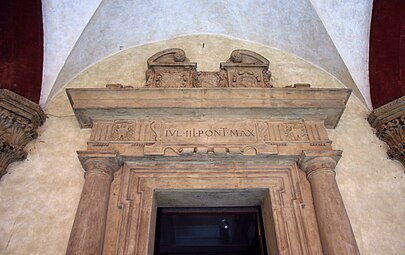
x=88, y=229
x=336, y=233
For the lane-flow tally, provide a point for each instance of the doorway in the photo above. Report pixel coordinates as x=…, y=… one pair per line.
x=209, y=231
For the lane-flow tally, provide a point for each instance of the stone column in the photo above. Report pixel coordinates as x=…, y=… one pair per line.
x=336, y=233
x=87, y=236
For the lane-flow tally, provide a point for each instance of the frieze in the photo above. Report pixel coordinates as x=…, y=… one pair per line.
x=171, y=138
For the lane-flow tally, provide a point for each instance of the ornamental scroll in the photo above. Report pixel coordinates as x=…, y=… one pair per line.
x=172, y=69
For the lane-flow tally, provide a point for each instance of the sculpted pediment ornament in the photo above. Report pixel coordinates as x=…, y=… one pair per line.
x=171, y=68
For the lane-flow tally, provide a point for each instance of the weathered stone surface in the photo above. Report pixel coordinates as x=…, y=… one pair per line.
x=178, y=139
x=87, y=236
x=19, y=120
x=389, y=120
x=197, y=103
x=336, y=233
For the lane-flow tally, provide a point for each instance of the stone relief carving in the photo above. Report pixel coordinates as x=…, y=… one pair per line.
x=19, y=119
x=295, y=132
x=393, y=133
x=389, y=120
x=176, y=138
x=171, y=68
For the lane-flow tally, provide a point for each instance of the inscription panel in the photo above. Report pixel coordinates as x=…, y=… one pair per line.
x=215, y=137
x=209, y=133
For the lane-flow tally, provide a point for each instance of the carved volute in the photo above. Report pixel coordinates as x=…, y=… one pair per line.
x=19, y=120
x=389, y=120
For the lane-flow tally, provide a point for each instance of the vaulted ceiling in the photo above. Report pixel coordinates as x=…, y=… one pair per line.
x=333, y=35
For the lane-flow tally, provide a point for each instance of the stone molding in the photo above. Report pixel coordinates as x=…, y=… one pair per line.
x=106, y=162
x=141, y=138
x=171, y=68
x=19, y=121
x=389, y=121
x=315, y=161
x=206, y=131
x=171, y=76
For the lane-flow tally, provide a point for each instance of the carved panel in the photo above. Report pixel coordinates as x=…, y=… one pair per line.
x=172, y=69
x=176, y=138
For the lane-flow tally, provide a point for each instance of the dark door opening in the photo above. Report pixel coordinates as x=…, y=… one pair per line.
x=208, y=231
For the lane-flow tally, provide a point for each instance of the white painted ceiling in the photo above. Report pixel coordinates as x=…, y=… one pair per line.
x=333, y=35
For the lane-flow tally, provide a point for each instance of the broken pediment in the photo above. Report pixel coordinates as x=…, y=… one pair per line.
x=171, y=68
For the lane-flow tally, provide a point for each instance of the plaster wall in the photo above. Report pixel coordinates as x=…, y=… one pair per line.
x=333, y=36
x=348, y=25
x=39, y=196
x=63, y=22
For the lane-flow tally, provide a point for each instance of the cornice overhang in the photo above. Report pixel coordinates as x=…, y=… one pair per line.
x=276, y=103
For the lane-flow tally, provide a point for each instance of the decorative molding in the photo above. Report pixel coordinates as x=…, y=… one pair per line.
x=389, y=120
x=158, y=137
x=171, y=68
x=135, y=200
x=205, y=131
x=19, y=120
x=312, y=161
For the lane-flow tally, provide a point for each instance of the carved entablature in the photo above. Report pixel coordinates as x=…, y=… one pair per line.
x=389, y=120
x=184, y=138
x=172, y=69
x=182, y=112
x=19, y=120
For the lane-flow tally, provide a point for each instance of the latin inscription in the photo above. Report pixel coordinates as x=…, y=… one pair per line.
x=211, y=133
x=221, y=132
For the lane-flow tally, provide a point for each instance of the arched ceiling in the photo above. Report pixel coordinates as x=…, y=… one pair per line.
x=331, y=35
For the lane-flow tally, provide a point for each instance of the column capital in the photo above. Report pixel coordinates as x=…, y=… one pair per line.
x=312, y=161
x=19, y=121
x=105, y=161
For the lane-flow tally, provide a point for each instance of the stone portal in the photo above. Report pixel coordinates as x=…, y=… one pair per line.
x=210, y=139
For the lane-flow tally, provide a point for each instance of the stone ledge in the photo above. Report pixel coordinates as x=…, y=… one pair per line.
x=209, y=103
